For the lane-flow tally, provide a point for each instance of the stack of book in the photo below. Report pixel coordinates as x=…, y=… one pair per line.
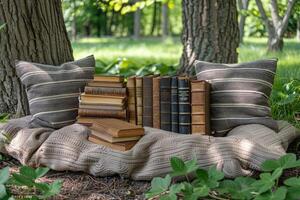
x=104, y=97
x=166, y=102
x=115, y=133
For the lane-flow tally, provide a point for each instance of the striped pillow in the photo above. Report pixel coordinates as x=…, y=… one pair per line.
x=53, y=91
x=239, y=93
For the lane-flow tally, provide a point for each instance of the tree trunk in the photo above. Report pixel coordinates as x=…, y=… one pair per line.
x=298, y=29
x=74, y=28
x=34, y=31
x=137, y=24
x=243, y=6
x=153, y=26
x=165, y=20
x=210, y=32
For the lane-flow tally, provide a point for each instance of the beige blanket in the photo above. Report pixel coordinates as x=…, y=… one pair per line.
x=240, y=153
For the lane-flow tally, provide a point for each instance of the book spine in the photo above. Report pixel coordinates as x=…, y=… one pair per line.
x=132, y=100
x=200, y=92
x=102, y=113
x=184, y=105
x=174, y=105
x=105, y=91
x=156, y=102
x=165, y=103
x=139, y=100
x=147, y=101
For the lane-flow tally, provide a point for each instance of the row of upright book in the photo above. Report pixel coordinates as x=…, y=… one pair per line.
x=176, y=103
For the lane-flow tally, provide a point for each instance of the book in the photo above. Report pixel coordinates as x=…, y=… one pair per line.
x=102, y=106
x=148, y=101
x=117, y=128
x=122, y=114
x=106, y=84
x=86, y=121
x=200, y=92
x=174, y=105
x=108, y=78
x=184, y=108
x=109, y=138
x=132, y=100
x=110, y=91
x=139, y=100
x=120, y=146
x=156, y=102
x=102, y=99
x=165, y=103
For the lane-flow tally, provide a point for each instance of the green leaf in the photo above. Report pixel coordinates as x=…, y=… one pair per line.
x=22, y=180
x=202, y=175
x=191, y=193
x=41, y=171
x=43, y=187
x=158, y=186
x=215, y=174
x=191, y=166
x=264, y=184
x=289, y=161
x=277, y=173
x=293, y=193
x=3, y=192
x=178, y=165
x=54, y=189
x=28, y=172
x=293, y=182
x=279, y=194
x=4, y=175
x=270, y=165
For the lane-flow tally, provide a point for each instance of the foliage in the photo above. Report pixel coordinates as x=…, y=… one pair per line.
x=26, y=180
x=212, y=185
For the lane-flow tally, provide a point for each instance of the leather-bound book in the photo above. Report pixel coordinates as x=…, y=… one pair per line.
x=122, y=114
x=109, y=78
x=102, y=99
x=156, y=102
x=165, y=103
x=139, y=100
x=200, y=92
x=148, y=101
x=110, y=91
x=184, y=105
x=174, y=104
x=132, y=100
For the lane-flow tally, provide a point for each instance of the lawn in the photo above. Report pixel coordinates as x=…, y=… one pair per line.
x=128, y=56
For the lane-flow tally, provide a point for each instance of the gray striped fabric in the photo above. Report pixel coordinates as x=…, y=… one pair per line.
x=239, y=93
x=53, y=91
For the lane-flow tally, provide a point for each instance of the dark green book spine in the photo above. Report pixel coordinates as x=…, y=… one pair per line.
x=147, y=101
x=184, y=108
x=165, y=103
x=174, y=105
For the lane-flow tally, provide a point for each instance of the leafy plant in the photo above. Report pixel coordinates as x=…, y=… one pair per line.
x=26, y=179
x=210, y=184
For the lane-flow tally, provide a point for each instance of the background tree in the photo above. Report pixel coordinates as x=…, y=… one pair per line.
x=210, y=32
x=34, y=31
x=165, y=19
x=243, y=7
x=276, y=25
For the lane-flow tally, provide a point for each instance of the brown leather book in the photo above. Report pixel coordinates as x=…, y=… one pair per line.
x=200, y=92
x=132, y=100
x=102, y=106
x=102, y=113
x=102, y=99
x=108, y=78
x=106, y=84
x=120, y=146
x=139, y=100
x=156, y=102
x=86, y=121
x=102, y=135
x=165, y=103
x=117, y=128
x=110, y=91
x=148, y=101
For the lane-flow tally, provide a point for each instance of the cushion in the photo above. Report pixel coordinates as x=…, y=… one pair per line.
x=53, y=91
x=239, y=93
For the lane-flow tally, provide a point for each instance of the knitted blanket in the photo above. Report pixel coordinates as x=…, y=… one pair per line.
x=240, y=153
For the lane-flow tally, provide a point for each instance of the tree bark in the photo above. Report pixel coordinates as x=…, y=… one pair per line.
x=243, y=6
x=137, y=24
x=165, y=20
x=210, y=32
x=74, y=27
x=34, y=31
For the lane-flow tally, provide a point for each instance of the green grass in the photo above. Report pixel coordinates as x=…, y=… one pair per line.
x=141, y=53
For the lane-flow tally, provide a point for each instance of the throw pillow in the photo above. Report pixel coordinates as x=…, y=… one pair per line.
x=53, y=91
x=239, y=93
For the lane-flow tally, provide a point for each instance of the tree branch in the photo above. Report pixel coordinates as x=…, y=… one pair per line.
x=275, y=14
x=264, y=16
x=286, y=17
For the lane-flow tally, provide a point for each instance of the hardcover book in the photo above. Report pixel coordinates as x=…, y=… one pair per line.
x=132, y=100
x=148, y=101
x=174, y=104
x=106, y=84
x=200, y=107
x=139, y=100
x=108, y=78
x=165, y=103
x=99, y=106
x=156, y=102
x=102, y=99
x=110, y=91
x=109, y=138
x=120, y=146
x=122, y=114
x=184, y=108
